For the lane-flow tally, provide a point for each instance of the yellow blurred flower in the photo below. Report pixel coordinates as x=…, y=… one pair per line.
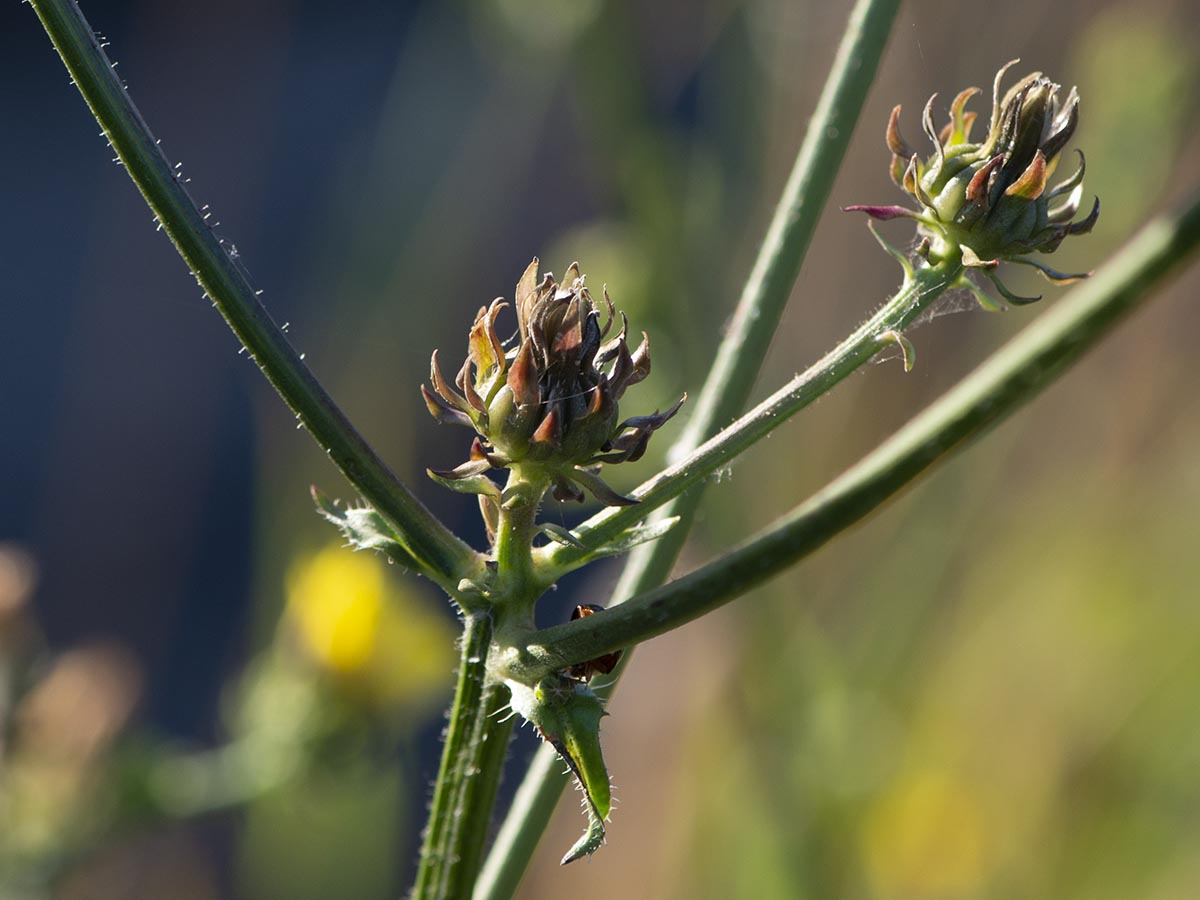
x=353, y=622
x=925, y=839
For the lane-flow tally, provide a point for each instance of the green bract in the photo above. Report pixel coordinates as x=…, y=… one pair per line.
x=567, y=715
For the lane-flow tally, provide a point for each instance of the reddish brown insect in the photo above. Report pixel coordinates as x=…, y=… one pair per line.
x=601, y=665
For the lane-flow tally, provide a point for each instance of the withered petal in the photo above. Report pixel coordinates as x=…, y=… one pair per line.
x=1084, y=226
x=1032, y=182
x=522, y=379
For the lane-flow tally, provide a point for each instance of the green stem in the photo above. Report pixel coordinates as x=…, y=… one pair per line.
x=730, y=381
x=916, y=296
x=473, y=816
x=522, y=828
x=1007, y=380
x=463, y=740
x=445, y=558
x=517, y=585
x=477, y=743
x=765, y=296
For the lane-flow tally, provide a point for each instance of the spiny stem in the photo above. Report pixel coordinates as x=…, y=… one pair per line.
x=1007, y=380
x=731, y=380
x=444, y=557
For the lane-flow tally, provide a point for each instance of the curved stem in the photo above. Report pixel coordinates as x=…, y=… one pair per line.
x=730, y=382
x=1008, y=379
x=443, y=556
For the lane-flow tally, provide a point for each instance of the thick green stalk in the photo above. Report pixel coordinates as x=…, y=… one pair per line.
x=1007, y=380
x=474, y=754
x=480, y=769
x=463, y=743
x=436, y=550
x=732, y=378
x=472, y=823
x=517, y=585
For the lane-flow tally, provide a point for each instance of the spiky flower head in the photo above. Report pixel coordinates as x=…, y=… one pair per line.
x=990, y=201
x=550, y=400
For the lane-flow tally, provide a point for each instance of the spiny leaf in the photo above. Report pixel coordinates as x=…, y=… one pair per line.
x=365, y=529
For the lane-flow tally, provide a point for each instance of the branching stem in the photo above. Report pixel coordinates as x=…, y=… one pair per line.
x=1007, y=380
x=729, y=383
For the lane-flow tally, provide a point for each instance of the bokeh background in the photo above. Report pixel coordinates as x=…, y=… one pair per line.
x=989, y=690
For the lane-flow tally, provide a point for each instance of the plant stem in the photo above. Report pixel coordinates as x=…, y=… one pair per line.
x=913, y=298
x=1007, y=380
x=730, y=381
x=462, y=744
x=477, y=742
x=472, y=822
x=765, y=296
x=517, y=585
x=443, y=556
x=522, y=828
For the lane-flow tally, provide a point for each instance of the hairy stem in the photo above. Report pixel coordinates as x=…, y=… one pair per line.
x=481, y=771
x=730, y=381
x=442, y=556
x=473, y=758
x=438, y=867
x=1007, y=380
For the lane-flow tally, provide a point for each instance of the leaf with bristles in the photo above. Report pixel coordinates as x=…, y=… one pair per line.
x=365, y=529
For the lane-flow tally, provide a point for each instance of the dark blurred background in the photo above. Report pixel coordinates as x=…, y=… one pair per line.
x=987, y=691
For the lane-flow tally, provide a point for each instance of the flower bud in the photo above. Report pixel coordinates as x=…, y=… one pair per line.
x=550, y=400
x=990, y=201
